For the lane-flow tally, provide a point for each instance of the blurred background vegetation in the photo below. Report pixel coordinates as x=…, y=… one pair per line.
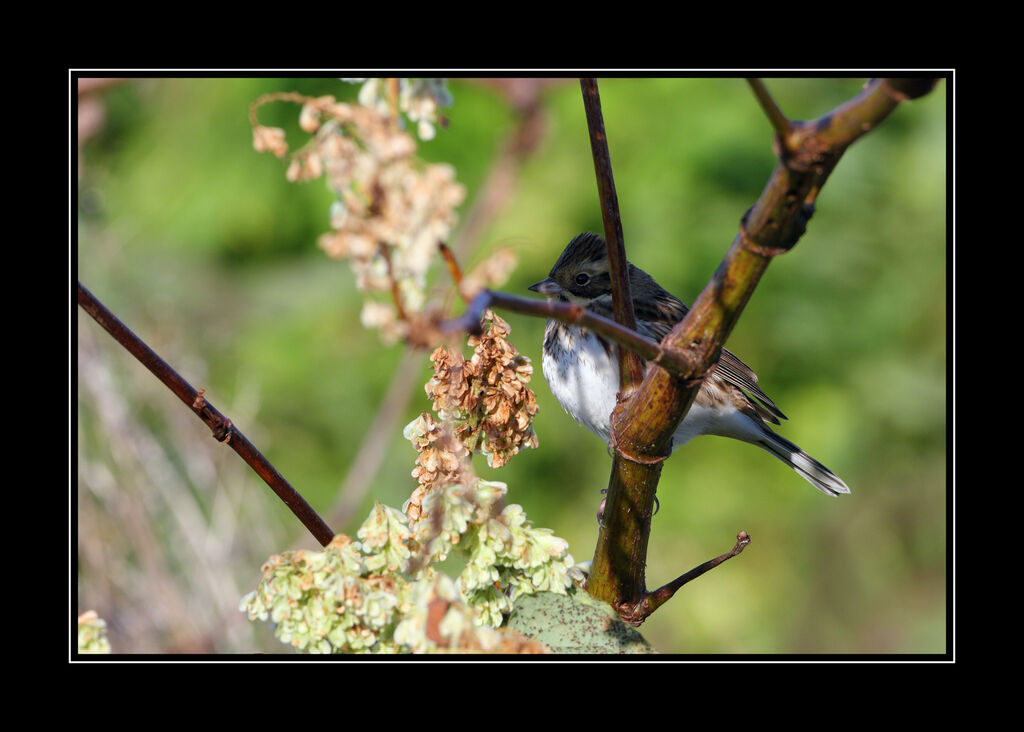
x=203, y=248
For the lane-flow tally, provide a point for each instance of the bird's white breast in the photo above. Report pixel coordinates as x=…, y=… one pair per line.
x=586, y=385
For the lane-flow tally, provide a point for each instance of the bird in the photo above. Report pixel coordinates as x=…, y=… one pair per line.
x=582, y=367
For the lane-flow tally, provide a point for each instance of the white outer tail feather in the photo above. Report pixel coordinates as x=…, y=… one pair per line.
x=806, y=467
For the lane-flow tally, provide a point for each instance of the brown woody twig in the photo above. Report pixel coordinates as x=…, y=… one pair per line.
x=672, y=360
x=630, y=367
x=221, y=427
x=655, y=599
x=771, y=109
x=453, y=266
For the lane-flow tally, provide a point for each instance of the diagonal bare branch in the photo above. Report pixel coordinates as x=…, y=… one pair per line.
x=221, y=427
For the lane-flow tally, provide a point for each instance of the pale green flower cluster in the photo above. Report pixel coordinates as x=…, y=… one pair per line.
x=384, y=538
x=342, y=599
x=92, y=633
x=506, y=556
x=439, y=621
x=383, y=594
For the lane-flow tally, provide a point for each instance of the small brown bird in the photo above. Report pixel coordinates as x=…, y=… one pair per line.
x=582, y=368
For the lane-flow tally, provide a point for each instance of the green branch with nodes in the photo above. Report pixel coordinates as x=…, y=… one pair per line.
x=643, y=424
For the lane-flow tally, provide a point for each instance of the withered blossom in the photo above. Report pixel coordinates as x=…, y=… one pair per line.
x=443, y=460
x=486, y=396
x=392, y=210
x=269, y=139
x=484, y=405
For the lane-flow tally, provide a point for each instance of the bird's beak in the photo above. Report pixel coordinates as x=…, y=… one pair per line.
x=546, y=287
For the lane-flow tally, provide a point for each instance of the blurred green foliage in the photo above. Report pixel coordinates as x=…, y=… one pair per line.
x=202, y=247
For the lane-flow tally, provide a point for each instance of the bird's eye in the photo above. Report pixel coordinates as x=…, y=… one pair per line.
x=582, y=279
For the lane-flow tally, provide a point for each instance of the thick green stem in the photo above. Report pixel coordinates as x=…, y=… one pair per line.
x=643, y=424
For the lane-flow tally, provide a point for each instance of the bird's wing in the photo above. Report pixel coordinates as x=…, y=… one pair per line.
x=663, y=317
x=730, y=369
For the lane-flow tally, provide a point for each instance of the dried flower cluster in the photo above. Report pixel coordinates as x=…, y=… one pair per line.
x=486, y=397
x=391, y=212
x=484, y=405
x=442, y=460
x=92, y=633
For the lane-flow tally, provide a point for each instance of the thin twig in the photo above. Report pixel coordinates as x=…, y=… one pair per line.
x=392, y=87
x=630, y=369
x=673, y=361
x=221, y=427
x=782, y=125
x=294, y=97
x=655, y=599
x=396, y=291
x=453, y=266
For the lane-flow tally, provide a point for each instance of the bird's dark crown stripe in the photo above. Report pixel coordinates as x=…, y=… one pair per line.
x=584, y=248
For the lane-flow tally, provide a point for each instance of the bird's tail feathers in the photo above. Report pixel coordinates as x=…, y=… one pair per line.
x=807, y=467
